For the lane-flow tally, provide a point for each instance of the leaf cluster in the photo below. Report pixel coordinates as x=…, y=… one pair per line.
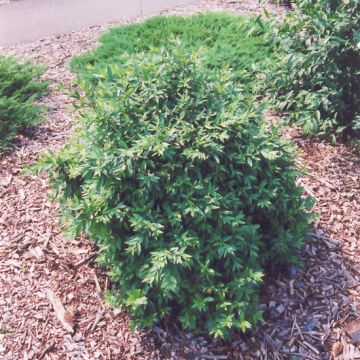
x=185, y=189
x=316, y=78
x=20, y=88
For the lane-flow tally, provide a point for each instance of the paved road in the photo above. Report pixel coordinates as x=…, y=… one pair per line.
x=29, y=20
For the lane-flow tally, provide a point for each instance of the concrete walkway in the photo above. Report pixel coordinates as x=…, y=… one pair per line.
x=29, y=20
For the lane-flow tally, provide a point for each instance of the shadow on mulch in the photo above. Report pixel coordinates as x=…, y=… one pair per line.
x=304, y=306
x=38, y=133
x=24, y=138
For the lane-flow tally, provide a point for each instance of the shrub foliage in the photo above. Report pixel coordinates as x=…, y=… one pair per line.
x=20, y=87
x=188, y=194
x=230, y=41
x=317, y=78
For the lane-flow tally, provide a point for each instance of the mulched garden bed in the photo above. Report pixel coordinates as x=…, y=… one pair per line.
x=307, y=308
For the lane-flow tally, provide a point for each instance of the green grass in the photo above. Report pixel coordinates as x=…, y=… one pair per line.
x=229, y=41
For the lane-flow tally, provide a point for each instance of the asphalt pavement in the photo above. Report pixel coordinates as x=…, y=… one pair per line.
x=29, y=20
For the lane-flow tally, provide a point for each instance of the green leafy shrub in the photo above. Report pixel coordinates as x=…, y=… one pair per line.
x=230, y=41
x=317, y=79
x=188, y=194
x=20, y=87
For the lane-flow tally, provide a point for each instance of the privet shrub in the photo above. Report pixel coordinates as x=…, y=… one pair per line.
x=20, y=87
x=187, y=193
x=317, y=78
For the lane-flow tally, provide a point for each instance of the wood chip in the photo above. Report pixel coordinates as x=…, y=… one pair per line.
x=353, y=330
x=46, y=351
x=85, y=260
x=64, y=316
x=311, y=347
x=336, y=349
x=98, y=318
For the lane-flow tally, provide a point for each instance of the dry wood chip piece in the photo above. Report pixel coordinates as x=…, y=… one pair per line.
x=64, y=316
x=46, y=350
x=98, y=317
x=336, y=349
x=353, y=329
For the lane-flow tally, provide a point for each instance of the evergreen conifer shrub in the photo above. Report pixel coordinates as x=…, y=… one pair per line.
x=230, y=41
x=20, y=88
x=186, y=191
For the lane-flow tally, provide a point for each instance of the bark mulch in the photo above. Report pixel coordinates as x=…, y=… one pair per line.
x=51, y=290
